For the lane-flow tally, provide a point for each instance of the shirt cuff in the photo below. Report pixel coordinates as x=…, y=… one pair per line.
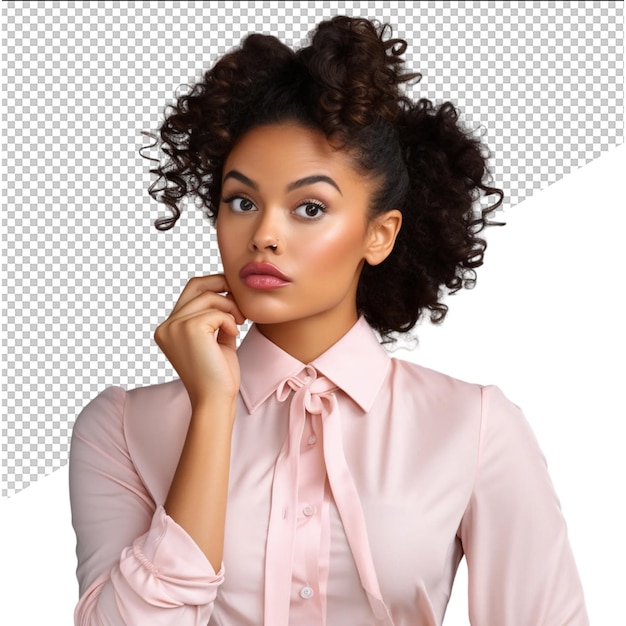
x=166, y=568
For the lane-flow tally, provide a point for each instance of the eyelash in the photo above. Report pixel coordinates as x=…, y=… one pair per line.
x=231, y=199
x=319, y=205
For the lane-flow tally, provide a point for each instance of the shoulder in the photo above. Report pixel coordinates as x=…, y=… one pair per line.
x=149, y=405
x=481, y=415
x=102, y=418
x=424, y=385
x=505, y=430
x=446, y=412
x=154, y=413
x=153, y=404
x=437, y=396
x=149, y=424
x=498, y=424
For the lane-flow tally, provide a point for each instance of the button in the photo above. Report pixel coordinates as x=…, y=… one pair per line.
x=306, y=593
x=312, y=440
x=308, y=510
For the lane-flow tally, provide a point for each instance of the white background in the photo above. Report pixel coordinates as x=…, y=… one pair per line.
x=545, y=323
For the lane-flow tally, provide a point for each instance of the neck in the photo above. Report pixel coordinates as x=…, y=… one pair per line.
x=305, y=339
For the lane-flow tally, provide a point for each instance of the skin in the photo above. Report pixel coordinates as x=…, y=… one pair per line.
x=263, y=218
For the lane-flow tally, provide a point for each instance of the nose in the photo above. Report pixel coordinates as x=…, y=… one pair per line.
x=265, y=235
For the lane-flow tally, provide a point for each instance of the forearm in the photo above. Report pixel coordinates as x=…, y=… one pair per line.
x=197, y=496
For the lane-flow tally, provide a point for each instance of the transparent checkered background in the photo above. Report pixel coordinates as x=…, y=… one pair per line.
x=87, y=277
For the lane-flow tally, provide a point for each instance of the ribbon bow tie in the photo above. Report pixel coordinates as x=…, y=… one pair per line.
x=313, y=393
x=315, y=390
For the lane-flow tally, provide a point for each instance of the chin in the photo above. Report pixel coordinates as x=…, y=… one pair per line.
x=267, y=318
x=264, y=315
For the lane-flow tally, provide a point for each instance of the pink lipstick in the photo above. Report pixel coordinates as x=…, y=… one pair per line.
x=263, y=276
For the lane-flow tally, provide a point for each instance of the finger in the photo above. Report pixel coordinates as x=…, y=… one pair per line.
x=198, y=285
x=207, y=301
x=207, y=322
x=226, y=339
x=232, y=306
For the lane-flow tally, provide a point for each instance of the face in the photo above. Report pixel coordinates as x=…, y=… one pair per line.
x=292, y=227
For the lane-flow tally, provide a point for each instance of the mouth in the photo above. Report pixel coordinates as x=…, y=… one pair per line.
x=263, y=276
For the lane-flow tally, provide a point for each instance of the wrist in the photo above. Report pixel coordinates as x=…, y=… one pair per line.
x=223, y=408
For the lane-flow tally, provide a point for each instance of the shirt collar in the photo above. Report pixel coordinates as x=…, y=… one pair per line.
x=357, y=364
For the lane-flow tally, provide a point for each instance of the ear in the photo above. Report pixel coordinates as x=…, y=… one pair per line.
x=382, y=233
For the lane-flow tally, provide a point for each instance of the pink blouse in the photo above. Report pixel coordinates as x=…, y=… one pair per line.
x=357, y=484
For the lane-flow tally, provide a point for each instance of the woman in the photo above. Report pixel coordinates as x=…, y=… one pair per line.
x=307, y=477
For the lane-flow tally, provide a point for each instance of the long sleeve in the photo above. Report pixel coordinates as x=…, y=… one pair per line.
x=520, y=565
x=135, y=564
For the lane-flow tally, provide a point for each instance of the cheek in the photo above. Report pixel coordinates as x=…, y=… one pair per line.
x=337, y=251
x=225, y=241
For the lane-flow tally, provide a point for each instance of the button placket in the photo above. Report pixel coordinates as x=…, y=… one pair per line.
x=307, y=606
x=318, y=399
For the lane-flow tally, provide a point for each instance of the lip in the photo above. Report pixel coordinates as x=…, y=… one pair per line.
x=263, y=276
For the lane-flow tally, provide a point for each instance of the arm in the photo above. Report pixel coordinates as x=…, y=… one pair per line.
x=520, y=564
x=199, y=489
x=167, y=575
x=135, y=564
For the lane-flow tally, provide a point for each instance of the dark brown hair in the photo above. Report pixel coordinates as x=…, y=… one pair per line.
x=346, y=84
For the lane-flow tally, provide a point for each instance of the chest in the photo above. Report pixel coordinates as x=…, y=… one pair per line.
x=413, y=477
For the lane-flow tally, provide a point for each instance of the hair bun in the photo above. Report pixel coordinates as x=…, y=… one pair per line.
x=357, y=69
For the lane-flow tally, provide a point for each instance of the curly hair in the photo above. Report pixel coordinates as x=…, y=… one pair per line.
x=346, y=84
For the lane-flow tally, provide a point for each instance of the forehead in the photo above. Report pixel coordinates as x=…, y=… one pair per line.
x=288, y=149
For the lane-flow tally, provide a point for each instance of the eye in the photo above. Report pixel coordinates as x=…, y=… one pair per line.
x=239, y=204
x=311, y=210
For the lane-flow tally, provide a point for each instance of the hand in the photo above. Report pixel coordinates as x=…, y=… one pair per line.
x=199, y=340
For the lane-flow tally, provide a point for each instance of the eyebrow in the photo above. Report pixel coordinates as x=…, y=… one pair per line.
x=302, y=182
